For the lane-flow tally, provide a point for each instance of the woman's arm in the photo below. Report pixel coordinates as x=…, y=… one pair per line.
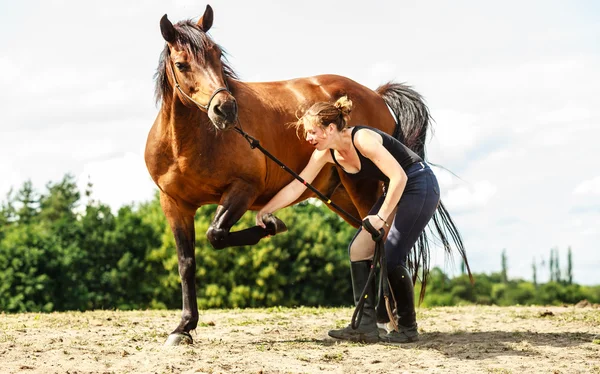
x=370, y=145
x=294, y=189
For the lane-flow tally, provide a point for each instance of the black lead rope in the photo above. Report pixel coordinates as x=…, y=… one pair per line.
x=379, y=255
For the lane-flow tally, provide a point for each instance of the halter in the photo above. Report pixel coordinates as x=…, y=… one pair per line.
x=205, y=107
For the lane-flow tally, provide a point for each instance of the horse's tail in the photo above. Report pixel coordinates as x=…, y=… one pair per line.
x=412, y=115
x=413, y=121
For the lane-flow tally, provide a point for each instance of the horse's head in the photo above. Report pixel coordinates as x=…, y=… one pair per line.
x=194, y=64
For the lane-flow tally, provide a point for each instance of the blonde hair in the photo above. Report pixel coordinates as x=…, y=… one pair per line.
x=323, y=113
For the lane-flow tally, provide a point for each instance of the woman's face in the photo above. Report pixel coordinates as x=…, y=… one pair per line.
x=316, y=135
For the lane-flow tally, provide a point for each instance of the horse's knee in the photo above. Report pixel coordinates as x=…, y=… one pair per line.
x=216, y=236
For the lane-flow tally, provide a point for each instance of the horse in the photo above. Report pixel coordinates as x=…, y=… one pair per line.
x=195, y=159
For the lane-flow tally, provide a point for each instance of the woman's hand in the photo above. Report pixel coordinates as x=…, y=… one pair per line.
x=376, y=222
x=259, y=219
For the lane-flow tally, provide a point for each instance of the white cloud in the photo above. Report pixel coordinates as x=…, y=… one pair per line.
x=9, y=71
x=588, y=187
x=468, y=197
x=460, y=130
x=10, y=179
x=461, y=195
x=380, y=72
x=118, y=181
x=567, y=114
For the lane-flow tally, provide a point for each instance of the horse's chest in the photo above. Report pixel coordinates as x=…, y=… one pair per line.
x=193, y=184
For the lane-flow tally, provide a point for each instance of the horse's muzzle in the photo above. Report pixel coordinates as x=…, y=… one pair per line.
x=223, y=113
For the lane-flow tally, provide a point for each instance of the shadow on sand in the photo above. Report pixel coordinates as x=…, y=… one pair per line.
x=476, y=345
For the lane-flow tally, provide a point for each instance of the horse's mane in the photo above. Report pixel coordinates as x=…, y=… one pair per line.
x=195, y=42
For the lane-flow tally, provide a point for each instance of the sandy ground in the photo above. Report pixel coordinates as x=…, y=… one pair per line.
x=453, y=340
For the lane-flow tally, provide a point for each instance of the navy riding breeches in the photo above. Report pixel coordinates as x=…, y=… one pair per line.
x=415, y=208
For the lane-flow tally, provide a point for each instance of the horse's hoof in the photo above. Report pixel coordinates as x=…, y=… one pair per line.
x=178, y=339
x=274, y=224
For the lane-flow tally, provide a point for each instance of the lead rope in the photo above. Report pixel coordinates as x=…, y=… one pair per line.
x=379, y=255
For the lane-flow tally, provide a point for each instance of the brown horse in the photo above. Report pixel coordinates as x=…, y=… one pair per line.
x=195, y=161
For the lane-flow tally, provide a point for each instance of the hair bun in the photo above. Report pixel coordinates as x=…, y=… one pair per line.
x=344, y=105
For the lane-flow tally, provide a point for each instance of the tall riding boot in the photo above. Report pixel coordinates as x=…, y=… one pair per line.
x=402, y=287
x=366, y=332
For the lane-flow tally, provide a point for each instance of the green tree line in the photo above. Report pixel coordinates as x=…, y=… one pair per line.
x=57, y=253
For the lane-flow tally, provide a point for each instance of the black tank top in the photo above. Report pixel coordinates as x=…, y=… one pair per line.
x=368, y=170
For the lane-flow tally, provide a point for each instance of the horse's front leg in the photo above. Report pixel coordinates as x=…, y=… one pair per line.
x=234, y=203
x=181, y=220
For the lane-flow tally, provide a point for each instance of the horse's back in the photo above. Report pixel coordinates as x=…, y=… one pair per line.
x=299, y=93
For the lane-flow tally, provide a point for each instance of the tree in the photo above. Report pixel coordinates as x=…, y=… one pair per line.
x=504, y=271
x=557, y=275
x=59, y=203
x=534, y=268
x=551, y=265
x=569, y=266
x=7, y=213
x=29, y=203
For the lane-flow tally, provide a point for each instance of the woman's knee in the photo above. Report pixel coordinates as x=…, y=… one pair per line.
x=362, y=247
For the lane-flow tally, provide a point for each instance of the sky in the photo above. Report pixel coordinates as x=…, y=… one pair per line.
x=513, y=88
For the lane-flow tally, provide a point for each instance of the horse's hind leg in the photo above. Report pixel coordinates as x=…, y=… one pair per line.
x=233, y=205
x=181, y=220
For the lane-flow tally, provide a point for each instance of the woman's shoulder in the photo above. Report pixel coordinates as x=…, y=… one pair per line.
x=369, y=129
x=365, y=137
x=366, y=132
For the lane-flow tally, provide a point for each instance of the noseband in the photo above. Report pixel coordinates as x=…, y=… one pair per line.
x=205, y=107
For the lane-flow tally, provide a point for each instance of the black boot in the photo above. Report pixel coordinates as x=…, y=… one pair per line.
x=402, y=288
x=366, y=332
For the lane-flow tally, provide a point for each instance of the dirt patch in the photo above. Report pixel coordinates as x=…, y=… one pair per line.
x=279, y=340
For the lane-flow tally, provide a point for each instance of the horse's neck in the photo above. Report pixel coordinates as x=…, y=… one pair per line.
x=184, y=127
x=261, y=102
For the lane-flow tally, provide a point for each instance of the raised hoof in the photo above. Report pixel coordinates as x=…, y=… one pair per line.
x=179, y=339
x=274, y=224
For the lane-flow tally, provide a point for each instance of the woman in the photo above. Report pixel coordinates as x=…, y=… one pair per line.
x=411, y=198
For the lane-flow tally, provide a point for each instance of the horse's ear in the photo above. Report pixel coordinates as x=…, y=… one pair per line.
x=167, y=29
x=205, y=22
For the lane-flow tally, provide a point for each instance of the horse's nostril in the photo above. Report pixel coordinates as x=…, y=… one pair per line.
x=218, y=111
x=226, y=110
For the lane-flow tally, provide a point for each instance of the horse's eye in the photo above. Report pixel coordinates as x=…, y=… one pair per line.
x=181, y=66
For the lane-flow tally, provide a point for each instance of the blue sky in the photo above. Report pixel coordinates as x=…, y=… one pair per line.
x=512, y=86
